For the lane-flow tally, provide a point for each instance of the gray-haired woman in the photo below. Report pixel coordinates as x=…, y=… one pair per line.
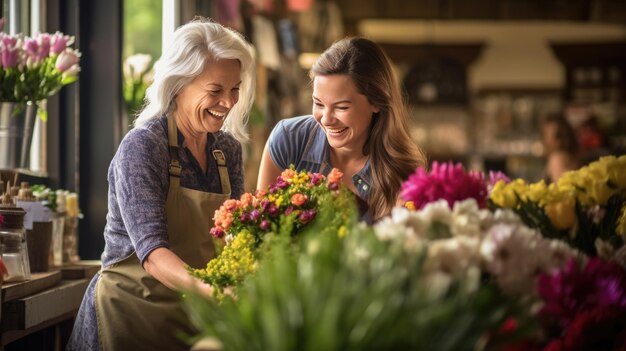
x=172, y=170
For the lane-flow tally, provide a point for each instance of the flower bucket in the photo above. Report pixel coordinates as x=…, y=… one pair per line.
x=16, y=130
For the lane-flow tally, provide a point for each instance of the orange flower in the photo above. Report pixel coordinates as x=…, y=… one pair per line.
x=298, y=199
x=288, y=174
x=335, y=176
x=246, y=199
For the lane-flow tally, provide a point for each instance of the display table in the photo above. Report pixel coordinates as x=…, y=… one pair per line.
x=39, y=314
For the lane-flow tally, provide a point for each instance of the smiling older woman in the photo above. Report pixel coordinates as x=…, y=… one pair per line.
x=171, y=172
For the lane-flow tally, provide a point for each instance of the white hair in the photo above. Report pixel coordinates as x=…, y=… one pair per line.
x=192, y=47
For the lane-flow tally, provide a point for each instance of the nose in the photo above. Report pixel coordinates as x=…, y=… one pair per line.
x=228, y=100
x=327, y=116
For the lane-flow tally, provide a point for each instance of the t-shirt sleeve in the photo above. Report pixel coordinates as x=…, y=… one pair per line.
x=287, y=141
x=141, y=183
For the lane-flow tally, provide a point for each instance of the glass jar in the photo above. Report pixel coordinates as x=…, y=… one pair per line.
x=13, y=244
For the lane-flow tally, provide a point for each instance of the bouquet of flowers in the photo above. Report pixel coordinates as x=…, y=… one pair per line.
x=291, y=203
x=34, y=68
x=585, y=208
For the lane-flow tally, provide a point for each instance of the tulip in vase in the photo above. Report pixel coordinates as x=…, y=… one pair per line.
x=32, y=68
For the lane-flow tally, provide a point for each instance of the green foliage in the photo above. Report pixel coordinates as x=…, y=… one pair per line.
x=142, y=27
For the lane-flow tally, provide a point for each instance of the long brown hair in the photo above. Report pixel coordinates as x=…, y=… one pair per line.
x=393, y=155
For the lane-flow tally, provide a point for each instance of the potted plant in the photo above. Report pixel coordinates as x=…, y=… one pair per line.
x=32, y=68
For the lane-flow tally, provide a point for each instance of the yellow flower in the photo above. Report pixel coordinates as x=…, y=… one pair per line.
x=562, y=214
x=621, y=223
x=410, y=205
x=537, y=192
x=505, y=195
x=342, y=231
x=616, y=171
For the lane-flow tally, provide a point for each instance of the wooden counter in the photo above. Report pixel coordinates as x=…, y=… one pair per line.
x=38, y=314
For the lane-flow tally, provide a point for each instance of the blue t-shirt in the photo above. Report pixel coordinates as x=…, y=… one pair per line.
x=300, y=141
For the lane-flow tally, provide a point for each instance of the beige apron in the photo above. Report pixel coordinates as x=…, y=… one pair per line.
x=135, y=311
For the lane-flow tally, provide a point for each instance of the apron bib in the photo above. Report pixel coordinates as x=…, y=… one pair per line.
x=134, y=310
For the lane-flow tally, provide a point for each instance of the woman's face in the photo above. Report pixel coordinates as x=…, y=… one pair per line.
x=343, y=112
x=204, y=103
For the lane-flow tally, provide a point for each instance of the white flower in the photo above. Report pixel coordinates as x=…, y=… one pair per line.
x=437, y=211
x=466, y=219
x=455, y=256
x=137, y=65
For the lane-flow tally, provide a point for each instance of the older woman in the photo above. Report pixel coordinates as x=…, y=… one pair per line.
x=172, y=170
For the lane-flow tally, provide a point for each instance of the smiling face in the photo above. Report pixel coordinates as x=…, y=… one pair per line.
x=204, y=103
x=343, y=112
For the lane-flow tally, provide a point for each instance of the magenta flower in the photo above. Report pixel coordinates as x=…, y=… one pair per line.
x=316, y=178
x=265, y=224
x=584, y=305
x=446, y=181
x=306, y=216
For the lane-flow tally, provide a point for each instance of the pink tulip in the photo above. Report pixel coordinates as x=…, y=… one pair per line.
x=67, y=59
x=60, y=42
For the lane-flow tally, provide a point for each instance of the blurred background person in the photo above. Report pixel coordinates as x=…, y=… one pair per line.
x=561, y=147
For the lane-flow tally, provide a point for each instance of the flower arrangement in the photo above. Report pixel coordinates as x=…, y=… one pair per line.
x=585, y=208
x=290, y=204
x=352, y=292
x=138, y=76
x=32, y=68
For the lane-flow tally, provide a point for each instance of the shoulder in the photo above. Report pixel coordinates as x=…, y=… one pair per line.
x=146, y=141
x=295, y=124
x=297, y=128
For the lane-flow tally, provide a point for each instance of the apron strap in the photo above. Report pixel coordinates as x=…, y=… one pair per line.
x=223, y=170
x=172, y=136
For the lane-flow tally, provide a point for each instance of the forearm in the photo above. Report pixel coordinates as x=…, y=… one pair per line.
x=165, y=266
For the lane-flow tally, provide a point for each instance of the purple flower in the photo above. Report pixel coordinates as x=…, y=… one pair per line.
x=494, y=177
x=255, y=214
x=272, y=210
x=245, y=217
x=281, y=183
x=265, y=224
x=306, y=216
x=217, y=233
x=446, y=181
x=333, y=186
x=288, y=210
x=315, y=178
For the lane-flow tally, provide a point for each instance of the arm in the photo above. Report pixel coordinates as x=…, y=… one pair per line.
x=268, y=170
x=169, y=269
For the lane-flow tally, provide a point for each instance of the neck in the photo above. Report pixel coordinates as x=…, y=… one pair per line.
x=192, y=138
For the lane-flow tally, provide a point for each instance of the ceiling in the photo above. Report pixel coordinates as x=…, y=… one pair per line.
x=613, y=11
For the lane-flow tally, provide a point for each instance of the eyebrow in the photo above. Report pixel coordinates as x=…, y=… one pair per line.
x=220, y=85
x=336, y=102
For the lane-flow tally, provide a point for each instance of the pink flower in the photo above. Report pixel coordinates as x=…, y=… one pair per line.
x=60, y=42
x=67, y=59
x=446, y=181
